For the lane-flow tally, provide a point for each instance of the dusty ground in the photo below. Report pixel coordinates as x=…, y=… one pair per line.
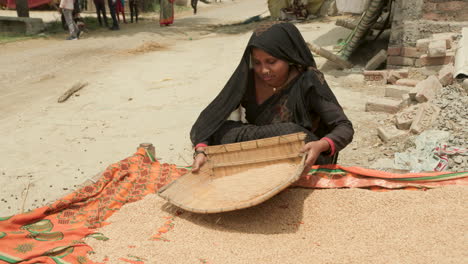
x=146, y=84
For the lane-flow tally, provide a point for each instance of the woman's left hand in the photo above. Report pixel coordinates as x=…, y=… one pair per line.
x=313, y=150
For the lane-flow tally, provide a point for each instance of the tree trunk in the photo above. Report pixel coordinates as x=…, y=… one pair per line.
x=22, y=8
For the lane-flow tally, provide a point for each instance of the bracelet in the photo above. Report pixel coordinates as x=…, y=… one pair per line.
x=200, y=145
x=199, y=152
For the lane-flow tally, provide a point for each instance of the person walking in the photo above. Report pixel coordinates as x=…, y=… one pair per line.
x=101, y=10
x=133, y=10
x=67, y=6
x=166, y=14
x=112, y=4
x=194, y=6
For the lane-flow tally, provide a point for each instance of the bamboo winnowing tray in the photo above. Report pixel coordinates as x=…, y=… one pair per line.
x=239, y=175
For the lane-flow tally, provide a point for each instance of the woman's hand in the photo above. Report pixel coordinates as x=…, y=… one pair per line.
x=313, y=150
x=199, y=160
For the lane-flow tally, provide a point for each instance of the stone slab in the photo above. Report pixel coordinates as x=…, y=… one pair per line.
x=21, y=25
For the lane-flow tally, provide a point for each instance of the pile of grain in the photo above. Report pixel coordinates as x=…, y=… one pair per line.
x=297, y=226
x=247, y=185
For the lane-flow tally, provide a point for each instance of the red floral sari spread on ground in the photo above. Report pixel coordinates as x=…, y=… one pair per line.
x=166, y=13
x=54, y=233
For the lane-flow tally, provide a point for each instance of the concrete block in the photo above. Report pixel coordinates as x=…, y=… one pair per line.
x=432, y=61
x=401, y=61
x=446, y=75
x=422, y=45
x=428, y=89
x=376, y=77
x=22, y=25
x=411, y=52
x=394, y=51
x=377, y=60
x=390, y=133
x=437, y=49
x=407, y=82
x=426, y=115
x=395, y=91
x=448, y=39
x=383, y=105
x=404, y=119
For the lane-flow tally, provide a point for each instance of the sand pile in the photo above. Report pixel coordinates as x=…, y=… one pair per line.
x=296, y=226
x=147, y=47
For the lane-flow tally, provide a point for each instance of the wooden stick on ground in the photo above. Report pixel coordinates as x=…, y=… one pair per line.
x=330, y=56
x=75, y=88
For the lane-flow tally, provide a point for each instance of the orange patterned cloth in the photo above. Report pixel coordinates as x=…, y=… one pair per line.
x=55, y=233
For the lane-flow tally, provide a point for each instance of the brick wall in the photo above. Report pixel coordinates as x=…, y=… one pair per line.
x=445, y=10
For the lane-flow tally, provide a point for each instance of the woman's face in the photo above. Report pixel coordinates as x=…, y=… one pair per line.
x=271, y=70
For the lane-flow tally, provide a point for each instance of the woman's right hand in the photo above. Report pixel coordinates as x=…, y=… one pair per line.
x=198, y=161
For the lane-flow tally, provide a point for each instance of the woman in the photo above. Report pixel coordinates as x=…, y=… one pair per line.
x=282, y=91
x=166, y=14
x=120, y=8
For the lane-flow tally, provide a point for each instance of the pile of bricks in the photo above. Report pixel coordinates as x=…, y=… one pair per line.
x=433, y=51
x=409, y=100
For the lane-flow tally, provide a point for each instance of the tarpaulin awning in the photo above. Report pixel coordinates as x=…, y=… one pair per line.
x=32, y=3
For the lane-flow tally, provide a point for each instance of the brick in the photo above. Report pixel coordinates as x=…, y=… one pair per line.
x=434, y=16
x=426, y=115
x=394, y=51
x=446, y=75
x=395, y=75
x=376, y=77
x=383, y=105
x=429, y=61
x=395, y=91
x=390, y=133
x=437, y=49
x=401, y=61
x=377, y=60
x=427, y=89
x=452, y=6
x=411, y=52
x=422, y=45
x=404, y=119
x=407, y=82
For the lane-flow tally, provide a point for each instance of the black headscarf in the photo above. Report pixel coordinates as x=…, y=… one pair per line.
x=283, y=41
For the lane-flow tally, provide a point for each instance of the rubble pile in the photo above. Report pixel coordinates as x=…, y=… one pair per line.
x=424, y=97
x=453, y=117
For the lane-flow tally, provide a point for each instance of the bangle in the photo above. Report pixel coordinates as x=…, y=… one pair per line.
x=201, y=145
x=199, y=152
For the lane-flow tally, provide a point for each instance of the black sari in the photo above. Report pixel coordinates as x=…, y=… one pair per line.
x=306, y=105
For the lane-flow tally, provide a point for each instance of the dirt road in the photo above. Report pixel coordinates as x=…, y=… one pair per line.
x=146, y=84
